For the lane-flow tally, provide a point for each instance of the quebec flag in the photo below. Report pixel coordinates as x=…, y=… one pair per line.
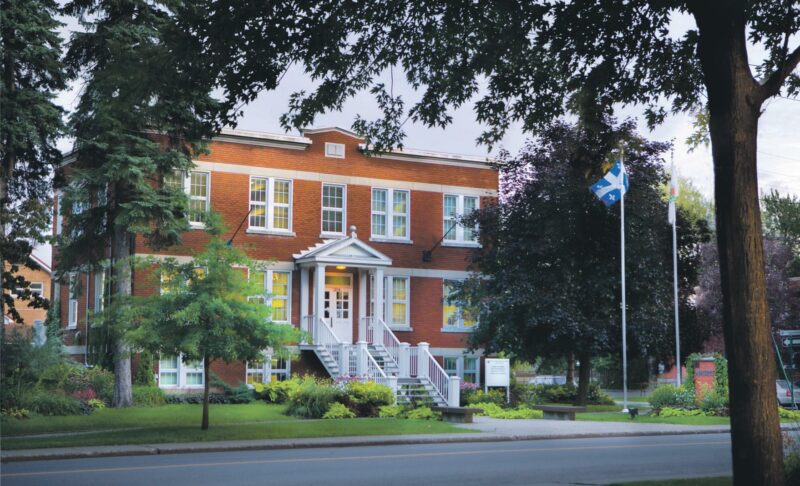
x=612, y=186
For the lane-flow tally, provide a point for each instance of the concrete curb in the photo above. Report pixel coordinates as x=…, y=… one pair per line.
x=276, y=444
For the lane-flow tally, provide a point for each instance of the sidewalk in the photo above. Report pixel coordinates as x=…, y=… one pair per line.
x=489, y=430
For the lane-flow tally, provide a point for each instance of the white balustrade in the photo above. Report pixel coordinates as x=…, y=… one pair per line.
x=403, y=364
x=381, y=336
x=324, y=336
x=413, y=362
x=429, y=368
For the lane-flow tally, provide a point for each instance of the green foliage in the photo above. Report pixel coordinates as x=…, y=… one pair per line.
x=338, y=411
x=22, y=365
x=495, y=411
x=422, y=413
x=148, y=396
x=538, y=394
x=679, y=412
x=688, y=383
x=15, y=412
x=720, y=375
x=671, y=396
x=785, y=413
x=276, y=391
x=96, y=404
x=313, y=398
x=391, y=411
x=367, y=398
x=791, y=466
x=46, y=402
x=494, y=395
x=715, y=402
x=145, y=374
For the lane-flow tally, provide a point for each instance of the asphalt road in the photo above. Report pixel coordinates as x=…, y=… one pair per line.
x=561, y=461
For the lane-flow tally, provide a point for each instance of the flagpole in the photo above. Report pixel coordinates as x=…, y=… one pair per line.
x=622, y=268
x=673, y=209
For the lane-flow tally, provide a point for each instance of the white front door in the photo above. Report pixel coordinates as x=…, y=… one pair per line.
x=338, y=309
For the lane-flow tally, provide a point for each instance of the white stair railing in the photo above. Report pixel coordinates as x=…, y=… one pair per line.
x=324, y=336
x=373, y=371
x=446, y=386
x=381, y=336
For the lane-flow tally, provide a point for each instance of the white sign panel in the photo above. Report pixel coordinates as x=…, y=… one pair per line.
x=498, y=372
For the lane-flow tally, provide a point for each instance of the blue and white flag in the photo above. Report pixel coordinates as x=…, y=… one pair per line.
x=612, y=186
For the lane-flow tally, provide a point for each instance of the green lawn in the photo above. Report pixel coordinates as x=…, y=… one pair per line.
x=181, y=423
x=715, y=481
x=624, y=417
x=593, y=408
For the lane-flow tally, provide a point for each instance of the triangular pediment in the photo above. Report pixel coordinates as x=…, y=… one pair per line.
x=344, y=251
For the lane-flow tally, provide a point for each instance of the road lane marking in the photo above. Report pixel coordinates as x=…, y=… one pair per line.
x=353, y=458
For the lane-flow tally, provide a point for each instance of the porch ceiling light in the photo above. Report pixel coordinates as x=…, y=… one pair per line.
x=341, y=267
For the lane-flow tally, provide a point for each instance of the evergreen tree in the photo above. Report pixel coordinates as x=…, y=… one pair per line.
x=140, y=118
x=30, y=124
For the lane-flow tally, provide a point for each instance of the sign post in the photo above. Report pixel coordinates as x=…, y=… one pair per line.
x=498, y=374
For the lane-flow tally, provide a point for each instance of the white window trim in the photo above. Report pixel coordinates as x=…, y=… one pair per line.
x=459, y=327
x=329, y=152
x=266, y=369
x=187, y=189
x=268, y=293
x=269, y=206
x=59, y=217
x=39, y=333
x=72, y=304
x=343, y=210
x=389, y=300
x=460, y=367
x=39, y=292
x=389, y=213
x=182, y=371
x=459, y=229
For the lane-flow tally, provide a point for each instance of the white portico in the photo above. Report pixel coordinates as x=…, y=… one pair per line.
x=334, y=266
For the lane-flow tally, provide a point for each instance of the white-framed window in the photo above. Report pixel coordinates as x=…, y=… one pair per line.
x=39, y=333
x=454, y=317
x=197, y=186
x=276, y=291
x=390, y=214
x=335, y=150
x=334, y=212
x=465, y=367
x=72, y=304
x=397, y=301
x=455, y=207
x=266, y=369
x=37, y=288
x=173, y=372
x=270, y=205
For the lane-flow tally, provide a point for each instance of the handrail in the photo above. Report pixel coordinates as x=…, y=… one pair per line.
x=437, y=376
x=324, y=336
x=380, y=335
x=374, y=371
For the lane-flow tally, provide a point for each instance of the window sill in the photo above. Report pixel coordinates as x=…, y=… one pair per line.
x=401, y=328
x=466, y=330
x=71, y=327
x=197, y=226
x=331, y=235
x=402, y=241
x=254, y=231
x=461, y=244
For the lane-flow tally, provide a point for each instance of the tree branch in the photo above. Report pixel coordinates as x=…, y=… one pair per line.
x=772, y=85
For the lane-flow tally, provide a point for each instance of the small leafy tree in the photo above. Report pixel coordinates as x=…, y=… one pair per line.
x=206, y=315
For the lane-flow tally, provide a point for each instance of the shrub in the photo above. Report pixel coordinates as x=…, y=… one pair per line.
x=276, y=391
x=84, y=395
x=715, y=402
x=785, y=413
x=338, y=411
x=96, y=404
x=239, y=394
x=196, y=399
x=313, y=398
x=367, y=398
x=148, y=396
x=145, y=374
x=49, y=403
x=15, y=412
x=390, y=411
x=467, y=390
x=495, y=396
x=679, y=412
x=791, y=467
x=495, y=411
x=671, y=396
x=102, y=381
x=422, y=413
x=21, y=365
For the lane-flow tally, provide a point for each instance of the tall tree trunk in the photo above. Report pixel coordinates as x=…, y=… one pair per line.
x=734, y=108
x=584, y=372
x=120, y=253
x=9, y=157
x=206, y=364
x=570, y=367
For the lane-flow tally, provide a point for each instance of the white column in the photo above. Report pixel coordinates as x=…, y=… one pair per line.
x=454, y=391
x=379, y=306
x=304, y=322
x=362, y=358
x=405, y=360
x=344, y=359
x=319, y=289
x=422, y=360
x=362, y=304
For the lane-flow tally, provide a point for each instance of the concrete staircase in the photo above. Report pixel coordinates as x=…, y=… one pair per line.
x=419, y=392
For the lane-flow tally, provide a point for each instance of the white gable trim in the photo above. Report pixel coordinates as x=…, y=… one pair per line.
x=336, y=252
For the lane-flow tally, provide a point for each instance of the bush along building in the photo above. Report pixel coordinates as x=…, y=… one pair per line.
x=361, y=250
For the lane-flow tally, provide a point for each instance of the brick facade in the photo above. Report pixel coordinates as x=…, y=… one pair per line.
x=234, y=158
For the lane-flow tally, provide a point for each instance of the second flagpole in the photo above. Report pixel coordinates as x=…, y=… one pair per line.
x=622, y=268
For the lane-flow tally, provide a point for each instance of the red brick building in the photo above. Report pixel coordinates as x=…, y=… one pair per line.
x=346, y=236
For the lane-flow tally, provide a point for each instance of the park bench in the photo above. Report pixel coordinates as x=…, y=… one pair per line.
x=461, y=415
x=559, y=412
